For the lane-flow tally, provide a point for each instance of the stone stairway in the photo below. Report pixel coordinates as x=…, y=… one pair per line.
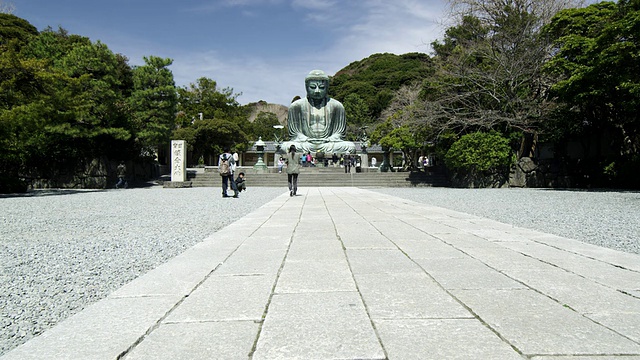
x=325, y=177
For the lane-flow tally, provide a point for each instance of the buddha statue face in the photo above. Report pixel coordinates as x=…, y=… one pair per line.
x=317, y=89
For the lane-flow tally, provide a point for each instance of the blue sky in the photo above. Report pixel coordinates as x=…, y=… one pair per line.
x=260, y=48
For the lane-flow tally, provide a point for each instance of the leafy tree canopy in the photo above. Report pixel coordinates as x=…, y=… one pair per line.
x=375, y=78
x=598, y=67
x=16, y=29
x=262, y=126
x=479, y=152
x=154, y=101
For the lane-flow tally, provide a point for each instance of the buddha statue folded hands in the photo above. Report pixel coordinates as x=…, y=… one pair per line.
x=317, y=123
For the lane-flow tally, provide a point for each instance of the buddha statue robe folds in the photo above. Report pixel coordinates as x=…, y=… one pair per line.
x=317, y=123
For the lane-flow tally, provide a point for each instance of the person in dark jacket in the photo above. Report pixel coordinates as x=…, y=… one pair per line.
x=240, y=182
x=293, y=169
x=121, y=171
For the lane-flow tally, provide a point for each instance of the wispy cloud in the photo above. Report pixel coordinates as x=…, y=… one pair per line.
x=314, y=4
x=357, y=30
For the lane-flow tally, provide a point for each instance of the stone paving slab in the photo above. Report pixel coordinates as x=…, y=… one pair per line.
x=347, y=273
x=315, y=276
x=198, y=341
x=467, y=273
x=226, y=298
x=318, y=326
x=536, y=324
x=407, y=296
x=442, y=339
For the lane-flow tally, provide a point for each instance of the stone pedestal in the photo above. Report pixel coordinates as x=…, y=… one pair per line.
x=364, y=160
x=178, y=161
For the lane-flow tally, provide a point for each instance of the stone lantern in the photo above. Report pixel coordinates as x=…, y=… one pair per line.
x=260, y=165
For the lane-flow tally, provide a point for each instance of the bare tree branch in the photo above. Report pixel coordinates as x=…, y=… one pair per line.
x=6, y=7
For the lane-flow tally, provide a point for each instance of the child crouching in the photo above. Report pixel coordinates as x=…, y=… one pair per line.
x=240, y=182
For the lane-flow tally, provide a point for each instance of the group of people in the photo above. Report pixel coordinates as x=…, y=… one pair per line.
x=228, y=161
x=424, y=162
x=292, y=160
x=347, y=161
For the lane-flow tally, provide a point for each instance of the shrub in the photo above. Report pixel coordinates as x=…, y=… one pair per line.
x=479, y=152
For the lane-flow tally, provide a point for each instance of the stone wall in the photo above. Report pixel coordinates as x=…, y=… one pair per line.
x=95, y=174
x=544, y=173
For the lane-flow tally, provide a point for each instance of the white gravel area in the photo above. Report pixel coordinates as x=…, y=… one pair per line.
x=61, y=250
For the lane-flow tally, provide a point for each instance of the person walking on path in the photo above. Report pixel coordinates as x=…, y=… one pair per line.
x=347, y=163
x=293, y=169
x=121, y=171
x=226, y=167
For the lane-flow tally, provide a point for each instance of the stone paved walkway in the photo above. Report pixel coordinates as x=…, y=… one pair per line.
x=346, y=273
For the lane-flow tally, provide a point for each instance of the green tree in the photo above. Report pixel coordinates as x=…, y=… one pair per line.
x=27, y=96
x=358, y=116
x=380, y=132
x=208, y=137
x=204, y=97
x=153, y=103
x=16, y=30
x=262, y=126
x=59, y=111
x=209, y=119
x=403, y=139
x=377, y=77
x=596, y=61
x=490, y=68
x=53, y=45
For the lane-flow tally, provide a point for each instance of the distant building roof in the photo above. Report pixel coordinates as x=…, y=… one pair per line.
x=270, y=146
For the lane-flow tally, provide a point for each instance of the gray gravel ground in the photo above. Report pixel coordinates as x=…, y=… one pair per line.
x=605, y=218
x=62, y=250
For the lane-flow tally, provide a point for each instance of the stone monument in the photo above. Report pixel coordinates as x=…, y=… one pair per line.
x=178, y=165
x=317, y=123
x=178, y=161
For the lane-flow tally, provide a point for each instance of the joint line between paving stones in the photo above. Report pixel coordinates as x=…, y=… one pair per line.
x=558, y=301
x=525, y=284
x=516, y=280
x=474, y=314
x=583, y=255
x=539, y=291
x=344, y=250
x=155, y=326
x=275, y=283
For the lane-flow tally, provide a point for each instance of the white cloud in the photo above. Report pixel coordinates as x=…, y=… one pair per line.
x=358, y=31
x=314, y=4
x=401, y=26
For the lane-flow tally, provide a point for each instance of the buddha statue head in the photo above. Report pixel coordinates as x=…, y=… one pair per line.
x=317, y=85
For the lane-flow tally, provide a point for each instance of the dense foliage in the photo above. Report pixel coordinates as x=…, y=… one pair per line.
x=597, y=67
x=376, y=78
x=479, y=152
x=210, y=119
x=66, y=102
x=535, y=72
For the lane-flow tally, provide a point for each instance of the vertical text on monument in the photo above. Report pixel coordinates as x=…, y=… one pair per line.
x=178, y=160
